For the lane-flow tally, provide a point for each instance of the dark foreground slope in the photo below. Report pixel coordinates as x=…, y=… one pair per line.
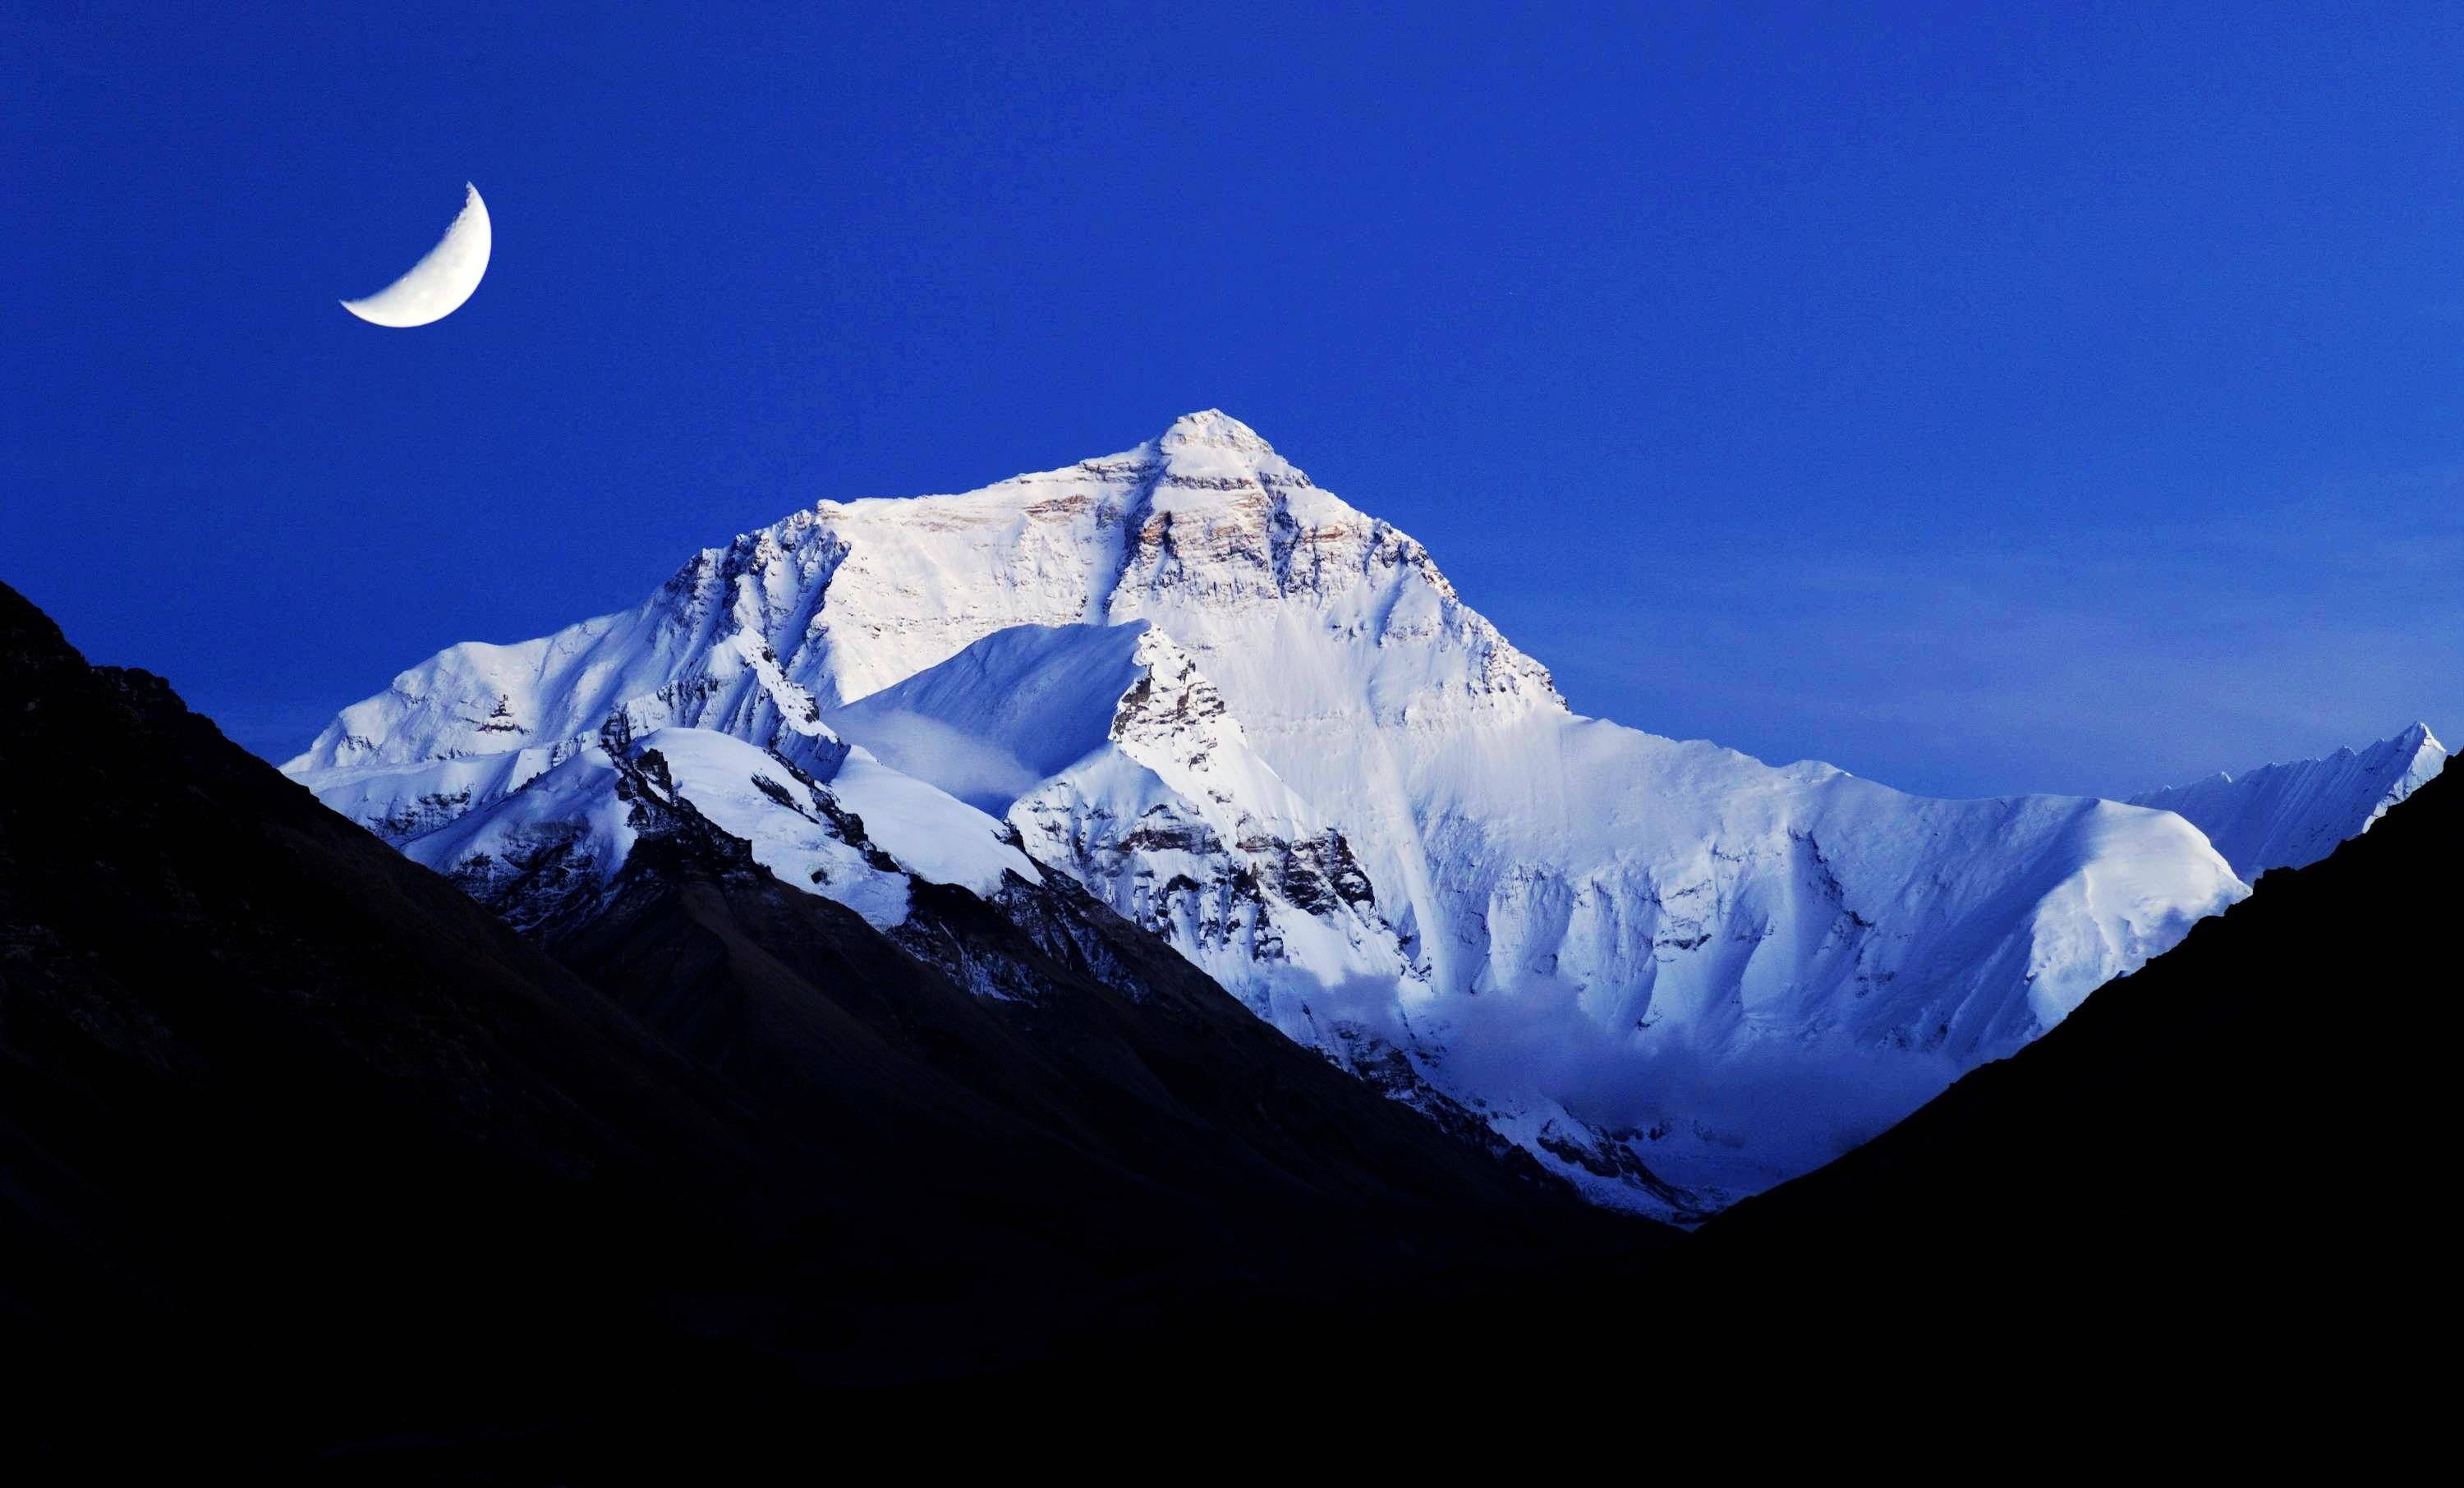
x=2238, y=1155
x=1113, y=1140
x=297, y=1142
x=278, y=1108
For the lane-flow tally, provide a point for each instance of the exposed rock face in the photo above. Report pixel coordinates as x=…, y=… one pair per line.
x=1139, y=782
x=1263, y=723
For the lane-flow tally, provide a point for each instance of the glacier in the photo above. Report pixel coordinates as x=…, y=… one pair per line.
x=1263, y=725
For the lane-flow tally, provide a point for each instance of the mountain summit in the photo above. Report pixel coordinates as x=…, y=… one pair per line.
x=1671, y=973
x=1213, y=428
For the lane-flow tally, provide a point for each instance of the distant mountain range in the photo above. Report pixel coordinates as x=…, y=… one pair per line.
x=1263, y=725
x=2290, y=815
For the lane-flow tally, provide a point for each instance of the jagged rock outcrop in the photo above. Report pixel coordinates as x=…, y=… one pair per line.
x=1119, y=764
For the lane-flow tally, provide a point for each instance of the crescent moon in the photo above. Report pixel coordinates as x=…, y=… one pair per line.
x=437, y=285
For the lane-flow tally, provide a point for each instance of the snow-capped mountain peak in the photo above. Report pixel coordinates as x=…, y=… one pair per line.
x=1263, y=724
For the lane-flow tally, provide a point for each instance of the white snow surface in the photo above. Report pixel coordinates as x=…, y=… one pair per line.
x=748, y=793
x=2290, y=815
x=935, y=837
x=1266, y=724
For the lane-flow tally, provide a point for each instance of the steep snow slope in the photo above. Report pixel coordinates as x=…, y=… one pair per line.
x=1662, y=965
x=2290, y=815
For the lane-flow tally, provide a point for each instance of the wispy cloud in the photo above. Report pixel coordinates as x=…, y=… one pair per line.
x=2103, y=658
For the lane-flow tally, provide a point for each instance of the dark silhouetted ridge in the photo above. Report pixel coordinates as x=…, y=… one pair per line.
x=299, y=1144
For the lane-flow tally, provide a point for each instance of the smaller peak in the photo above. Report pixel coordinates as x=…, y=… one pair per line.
x=1212, y=429
x=1154, y=645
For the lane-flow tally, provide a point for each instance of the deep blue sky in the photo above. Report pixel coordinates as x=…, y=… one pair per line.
x=1980, y=401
